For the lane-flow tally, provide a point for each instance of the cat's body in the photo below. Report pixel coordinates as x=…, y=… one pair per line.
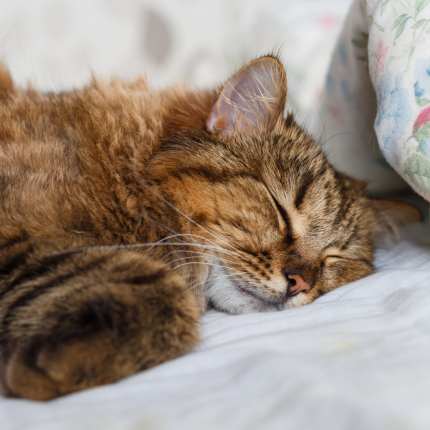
x=243, y=210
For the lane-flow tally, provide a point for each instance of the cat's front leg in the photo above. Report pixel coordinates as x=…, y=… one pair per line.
x=90, y=318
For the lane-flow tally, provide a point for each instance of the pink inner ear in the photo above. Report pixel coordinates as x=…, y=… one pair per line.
x=252, y=99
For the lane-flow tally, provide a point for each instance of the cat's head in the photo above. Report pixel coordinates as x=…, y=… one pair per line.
x=281, y=226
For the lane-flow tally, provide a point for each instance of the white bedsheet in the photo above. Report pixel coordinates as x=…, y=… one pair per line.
x=357, y=358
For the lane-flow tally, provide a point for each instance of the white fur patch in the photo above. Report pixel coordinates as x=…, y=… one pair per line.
x=225, y=292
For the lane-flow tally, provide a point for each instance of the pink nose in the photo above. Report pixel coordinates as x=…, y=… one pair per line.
x=298, y=285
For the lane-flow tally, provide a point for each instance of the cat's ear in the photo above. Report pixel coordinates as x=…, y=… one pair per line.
x=390, y=216
x=358, y=184
x=252, y=99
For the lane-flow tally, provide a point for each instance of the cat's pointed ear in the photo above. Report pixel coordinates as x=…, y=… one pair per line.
x=358, y=184
x=390, y=216
x=252, y=99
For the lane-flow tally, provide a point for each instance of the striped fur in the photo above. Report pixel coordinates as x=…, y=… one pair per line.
x=125, y=212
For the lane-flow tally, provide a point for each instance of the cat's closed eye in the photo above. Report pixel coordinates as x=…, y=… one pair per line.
x=332, y=259
x=284, y=220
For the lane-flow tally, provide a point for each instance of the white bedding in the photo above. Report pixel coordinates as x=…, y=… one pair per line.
x=356, y=359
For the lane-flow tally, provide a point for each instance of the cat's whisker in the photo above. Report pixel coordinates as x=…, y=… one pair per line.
x=142, y=215
x=188, y=258
x=199, y=262
x=130, y=246
x=218, y=277
x=216, y=247
x=181, y=213
x=166, y=238
x=219, y=251
x=195, y=285
x=194, y=252
x=192, y=235
x=176, y=234
x=338, y=134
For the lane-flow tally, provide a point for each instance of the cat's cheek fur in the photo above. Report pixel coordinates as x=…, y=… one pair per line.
x=225, y=294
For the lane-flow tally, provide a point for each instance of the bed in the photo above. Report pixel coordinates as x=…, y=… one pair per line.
x=357, y=358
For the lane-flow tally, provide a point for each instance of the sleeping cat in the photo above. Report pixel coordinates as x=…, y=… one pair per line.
x=125, y=212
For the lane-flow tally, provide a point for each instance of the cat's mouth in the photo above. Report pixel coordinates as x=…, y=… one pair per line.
x=272, y=304
x=227, y=293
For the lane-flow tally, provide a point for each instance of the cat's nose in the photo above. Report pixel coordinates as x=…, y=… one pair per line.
x=296, y=283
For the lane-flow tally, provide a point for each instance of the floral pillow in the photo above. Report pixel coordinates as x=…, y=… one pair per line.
x=384, y=51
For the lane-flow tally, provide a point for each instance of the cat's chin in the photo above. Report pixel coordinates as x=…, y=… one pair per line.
x=224, y=292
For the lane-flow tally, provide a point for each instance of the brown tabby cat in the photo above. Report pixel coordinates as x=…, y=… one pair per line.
x=126, y=211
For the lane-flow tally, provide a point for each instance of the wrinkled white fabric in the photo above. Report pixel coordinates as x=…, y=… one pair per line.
x=356, y=359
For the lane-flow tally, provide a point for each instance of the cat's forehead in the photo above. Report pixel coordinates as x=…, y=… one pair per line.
x=245, y=175
x=288, y=150
x=318, y=203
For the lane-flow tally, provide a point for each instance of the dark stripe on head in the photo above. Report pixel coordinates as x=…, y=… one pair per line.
x=308, y=180
x=348, y=241
x=211, y=176
x=342, y=212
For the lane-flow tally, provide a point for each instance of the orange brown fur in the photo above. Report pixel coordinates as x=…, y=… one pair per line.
x=88, y=176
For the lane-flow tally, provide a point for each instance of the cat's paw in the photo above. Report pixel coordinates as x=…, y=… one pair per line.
x=19, y=377
x=89, y=333
x=46, y=370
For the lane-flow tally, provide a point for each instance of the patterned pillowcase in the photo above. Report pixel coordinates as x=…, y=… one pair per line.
x=379, y=83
